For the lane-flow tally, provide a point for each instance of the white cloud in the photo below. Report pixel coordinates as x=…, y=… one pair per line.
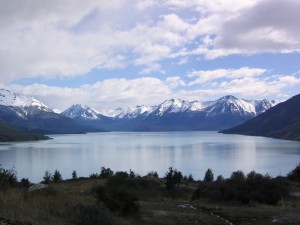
x=121, y=92
x=107, y=94
x=174, y=82
x=70, y=38
x=211, y=75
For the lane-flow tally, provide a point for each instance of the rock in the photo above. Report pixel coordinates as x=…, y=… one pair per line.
x=37, y=187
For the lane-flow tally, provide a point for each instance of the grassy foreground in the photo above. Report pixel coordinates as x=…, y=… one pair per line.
x=126, y=198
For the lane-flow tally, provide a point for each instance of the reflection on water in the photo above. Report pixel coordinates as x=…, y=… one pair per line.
x=189, y=152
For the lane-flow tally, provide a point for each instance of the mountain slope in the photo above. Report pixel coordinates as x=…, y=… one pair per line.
x=9, y=133
x=28, y=114
x=282, y=121
x=174, y=115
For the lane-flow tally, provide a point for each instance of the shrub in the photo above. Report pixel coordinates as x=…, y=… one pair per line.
x=47, y=177
x=94, y=175
x=7, y=178
x=132, y=174
x=93, y=215
x=237, y=177
x=295, y=174
x=25, y=182
x=173, y=177
x=56, y=177
x=105, y=173
x=74, y=175
x=209, y=176
x=254, y=187
x=121, y=175
x=220, y=178
x=152, y=174
x=119, y=200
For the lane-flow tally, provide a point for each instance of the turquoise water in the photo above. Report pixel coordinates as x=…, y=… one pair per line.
x=189, y=152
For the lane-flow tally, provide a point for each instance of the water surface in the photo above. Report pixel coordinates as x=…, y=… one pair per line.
x=189, y=152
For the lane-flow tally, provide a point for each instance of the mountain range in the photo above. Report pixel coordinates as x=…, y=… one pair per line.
x=27, y=114
x=281, y=121
x=25, y=118
x=173, y=115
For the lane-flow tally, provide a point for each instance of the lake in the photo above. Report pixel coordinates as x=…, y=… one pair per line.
x=189, y=152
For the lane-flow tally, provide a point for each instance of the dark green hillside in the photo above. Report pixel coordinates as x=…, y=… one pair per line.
x=282, y=121
x=9, y=133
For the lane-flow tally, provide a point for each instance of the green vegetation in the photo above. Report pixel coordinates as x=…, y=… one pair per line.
x=126, y=198
x=244, y=189
x=172, y=178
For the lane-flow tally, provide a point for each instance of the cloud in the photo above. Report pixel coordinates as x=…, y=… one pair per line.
x=71, y=38
x=174, y=82
x=212, y=75
x=268, y=26
x=107, y=94
x=122, y=92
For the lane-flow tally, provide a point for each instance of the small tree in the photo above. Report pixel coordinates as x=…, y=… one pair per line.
x=237, y=177
x=295, y=174
x=74, y=175
x=7, y=177
x=56, y=177
x=132, y=174
x=47, y=177
x=152, y=174
x=209, y=176
x=173, y=177
x=106, y=173
x=220, y=178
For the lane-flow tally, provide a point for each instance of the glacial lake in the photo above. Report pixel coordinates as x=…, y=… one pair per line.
x=189, y=152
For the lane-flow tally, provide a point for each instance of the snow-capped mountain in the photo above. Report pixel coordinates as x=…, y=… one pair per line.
x=226, y=104
x=78, y=111
x=8, y=98
x=174, y=114
x=29, y=114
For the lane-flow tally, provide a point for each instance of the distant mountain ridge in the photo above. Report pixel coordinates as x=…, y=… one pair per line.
x=30, y=115
x=281, y=121
x=174, y=114
x=9, y=133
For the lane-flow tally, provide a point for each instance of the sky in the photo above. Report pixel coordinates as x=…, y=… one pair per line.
x=120, y=53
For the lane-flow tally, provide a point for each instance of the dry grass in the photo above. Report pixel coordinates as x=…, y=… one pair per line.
x=59, y=204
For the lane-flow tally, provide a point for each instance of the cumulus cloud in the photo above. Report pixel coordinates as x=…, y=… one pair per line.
x=71, y=38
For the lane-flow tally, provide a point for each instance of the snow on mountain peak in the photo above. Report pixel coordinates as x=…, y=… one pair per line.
x=8, y=98
x=227, y=104
x=82, y=111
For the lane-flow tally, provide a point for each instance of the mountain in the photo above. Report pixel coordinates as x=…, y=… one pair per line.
x=81, y=112
x=174, y=115
x=281, y=121
x=9, y=133
x=29, y=114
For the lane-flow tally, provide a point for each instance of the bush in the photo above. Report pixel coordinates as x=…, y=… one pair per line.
x=25, y=183
x=119, y=200
x=209, y=176
x=74, y=175
x=7, y=178
x=295, y=174
x=93, y=215
x=47, y=177
x=255, y=187
x=132, y=174
x=106, y=173
x=152, y=174
x=94, y=176
x=173, y=177
x=56, y=177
